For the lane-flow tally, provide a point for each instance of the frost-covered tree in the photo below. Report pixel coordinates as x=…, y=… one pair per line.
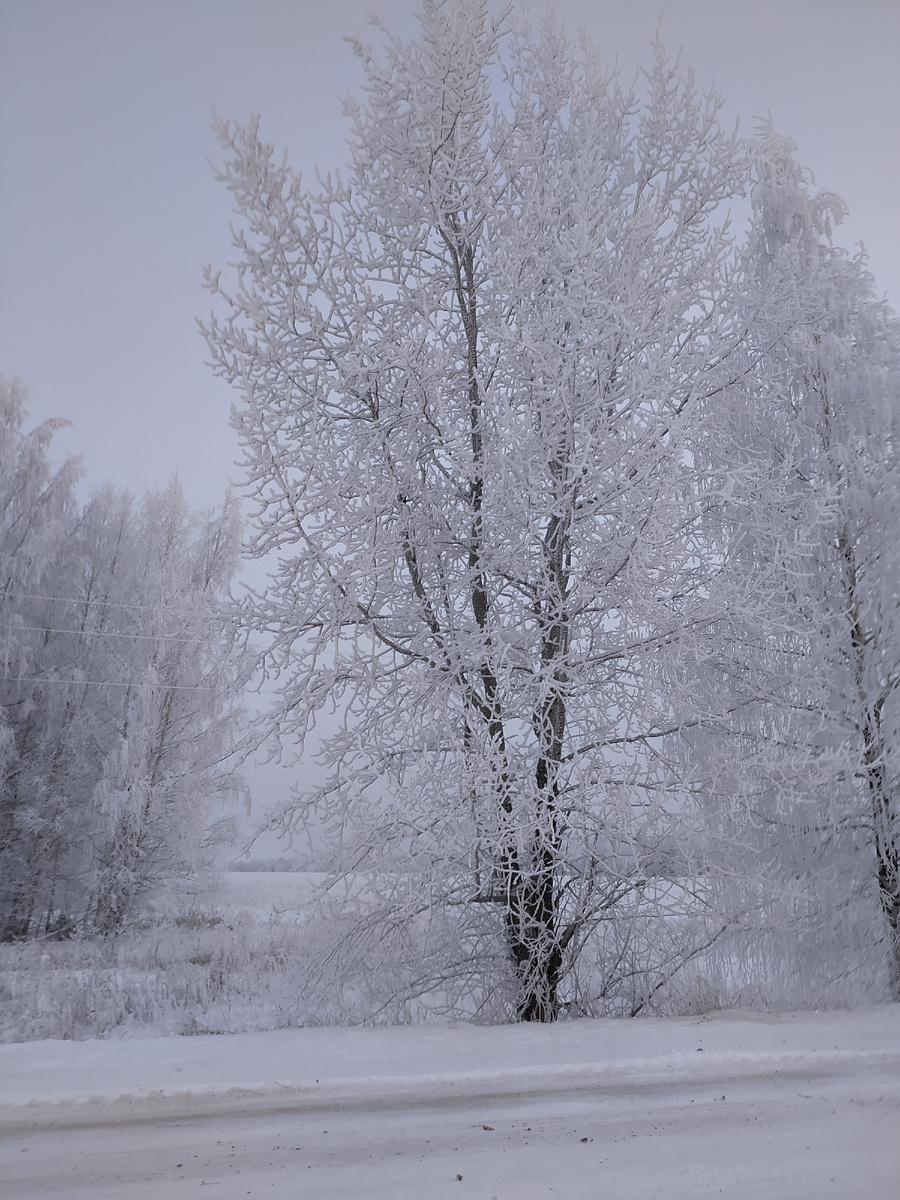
x=802, y=778
x=480, y=387
x=176, y=705
x=826, y=672
x=36, y=503
x=119, y=694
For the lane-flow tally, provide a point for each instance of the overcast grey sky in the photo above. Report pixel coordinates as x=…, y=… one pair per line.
x=109, y=210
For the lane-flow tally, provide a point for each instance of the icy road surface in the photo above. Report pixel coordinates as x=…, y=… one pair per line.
x=803, y=1105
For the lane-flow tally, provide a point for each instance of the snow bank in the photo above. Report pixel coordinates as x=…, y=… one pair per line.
x=802, y=1106
x=471, y=1058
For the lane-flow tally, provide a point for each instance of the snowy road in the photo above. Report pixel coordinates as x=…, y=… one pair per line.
x=794, y=1107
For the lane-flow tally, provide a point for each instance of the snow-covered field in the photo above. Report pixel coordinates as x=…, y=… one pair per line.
x=735, y=1105
x=216, y=960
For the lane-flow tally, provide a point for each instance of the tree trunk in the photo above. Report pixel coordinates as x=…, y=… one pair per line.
x=531, y=924
x=887, y=851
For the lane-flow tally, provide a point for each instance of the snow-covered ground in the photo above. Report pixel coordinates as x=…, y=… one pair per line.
x=734, y=1105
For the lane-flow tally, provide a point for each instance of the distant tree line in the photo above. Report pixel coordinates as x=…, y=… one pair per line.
x=119, y=692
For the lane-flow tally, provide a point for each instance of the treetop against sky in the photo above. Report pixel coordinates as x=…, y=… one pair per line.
x=111, y=210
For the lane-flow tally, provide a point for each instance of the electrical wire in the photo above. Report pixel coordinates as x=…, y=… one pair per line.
x=146, y=637
x=168, y=687
x=84, y=600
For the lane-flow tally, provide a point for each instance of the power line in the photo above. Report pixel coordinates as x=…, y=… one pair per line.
x=168, y=687
x=85, y=601
x=147, y=637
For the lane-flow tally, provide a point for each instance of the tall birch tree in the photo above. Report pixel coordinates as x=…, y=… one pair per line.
x=829, y=366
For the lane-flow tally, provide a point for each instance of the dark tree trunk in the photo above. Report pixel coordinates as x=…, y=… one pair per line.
x=884, y=816
x=531, y=924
